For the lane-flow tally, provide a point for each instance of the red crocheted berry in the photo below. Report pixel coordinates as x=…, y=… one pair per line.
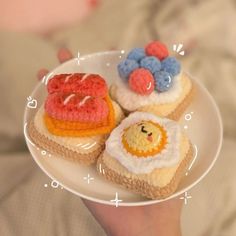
x=157, y=49
x=141, y=81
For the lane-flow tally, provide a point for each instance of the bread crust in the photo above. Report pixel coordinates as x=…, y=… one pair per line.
x=45, y=143
x=179, y=110
x=64, y=152
x=143, y=187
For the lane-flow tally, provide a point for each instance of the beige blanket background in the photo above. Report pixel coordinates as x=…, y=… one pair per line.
x=207, y=30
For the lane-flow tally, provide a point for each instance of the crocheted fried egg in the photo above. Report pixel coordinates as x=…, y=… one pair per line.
x=143, y=142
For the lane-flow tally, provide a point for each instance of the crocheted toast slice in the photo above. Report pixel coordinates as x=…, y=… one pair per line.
x=159, y=184
x=84, y=150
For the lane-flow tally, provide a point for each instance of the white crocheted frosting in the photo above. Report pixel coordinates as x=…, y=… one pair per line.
x=131, y=101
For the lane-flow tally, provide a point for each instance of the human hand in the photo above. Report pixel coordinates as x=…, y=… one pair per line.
x=162, y=219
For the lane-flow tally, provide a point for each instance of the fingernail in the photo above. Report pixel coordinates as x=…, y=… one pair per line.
x=64, y=54
x=41, y=73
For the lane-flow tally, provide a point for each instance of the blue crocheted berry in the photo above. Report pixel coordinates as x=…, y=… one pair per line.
x=126, y=67
x=163, y=81
x=151, y=63
x=136, y=54
x=171, y=65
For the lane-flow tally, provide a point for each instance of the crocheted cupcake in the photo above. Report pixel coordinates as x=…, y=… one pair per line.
x=146, y=154
x=151, y=80
x=76, y=117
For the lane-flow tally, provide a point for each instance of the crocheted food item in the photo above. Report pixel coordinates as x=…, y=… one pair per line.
x=169, y=93
x=79, y=128
x=150, y=63
x=79, y=149
x=141, y=81
x=74, y=107
x=144, y=138
x=171, y=65
x=126, y=67
x=157, y=49
x=83, y=84
x=163, y=80
x=146, y=154
x=153, y=58
x=76, y=117
x=136, y=54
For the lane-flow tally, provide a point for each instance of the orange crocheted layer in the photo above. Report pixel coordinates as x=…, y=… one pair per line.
x=154, y=151
x=80, y=129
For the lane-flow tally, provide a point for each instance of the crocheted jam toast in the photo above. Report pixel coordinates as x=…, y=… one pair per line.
x=76, y=118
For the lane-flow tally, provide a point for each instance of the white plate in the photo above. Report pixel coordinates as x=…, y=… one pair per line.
x=201, y=121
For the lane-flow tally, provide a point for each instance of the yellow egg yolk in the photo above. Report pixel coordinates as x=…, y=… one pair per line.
x=145, y=138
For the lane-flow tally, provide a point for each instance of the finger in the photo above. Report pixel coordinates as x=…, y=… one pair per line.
x=64, y=54
x=41, y=73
